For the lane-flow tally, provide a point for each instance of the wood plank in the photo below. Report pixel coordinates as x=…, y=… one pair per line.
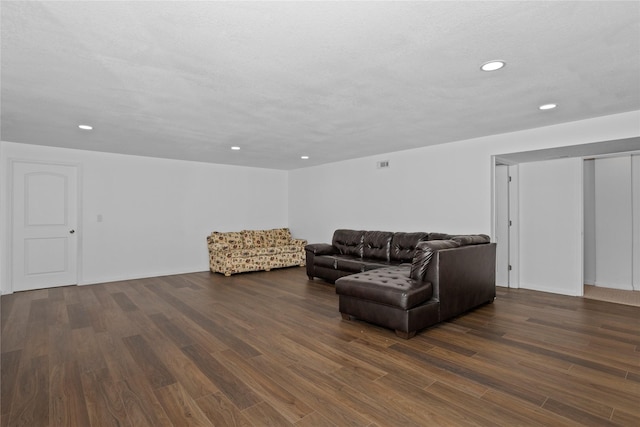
x=322, y=401
x=292, y=408
x=156, y=372
x=575, y=414
x=123, y=301
x=10, y=364
x=103, y=400
x=181, y=409
x=264, y=415
x=78, y=316
x=67, y=405
x=314, y=419
x=38, y=312
x=30, y=405
x=229, y=384
x=221, y=412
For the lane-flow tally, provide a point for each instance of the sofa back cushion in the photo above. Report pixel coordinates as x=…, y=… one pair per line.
x=377, y=245
x=279, y=236
x=424, y=253
x=403, y=246
x=348, y=242
x=472, y=239
x=255, y=239
x=233, y=239
x=438, y=236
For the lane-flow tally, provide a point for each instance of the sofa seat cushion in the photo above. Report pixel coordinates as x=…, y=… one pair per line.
x=349, y=264
x=288, y=249
x=391, y=286
x=326, y=261
x=252, y=252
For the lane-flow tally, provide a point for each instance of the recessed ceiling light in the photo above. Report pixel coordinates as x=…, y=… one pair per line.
x=236, y=148
x=547, y=107
x=85, y=127
x=493, y=65
x=304, y=157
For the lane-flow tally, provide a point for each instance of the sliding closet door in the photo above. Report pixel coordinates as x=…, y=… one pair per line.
x=614, y=235
x=551, y=216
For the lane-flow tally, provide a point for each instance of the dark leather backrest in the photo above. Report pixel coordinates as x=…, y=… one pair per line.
x=348, y=242
x=424, y=254
x=403, y=245
x=471, y=239
x=377, y=245
x=439, y=236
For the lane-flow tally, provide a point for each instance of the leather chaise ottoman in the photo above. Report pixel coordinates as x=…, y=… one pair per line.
x=388, y=296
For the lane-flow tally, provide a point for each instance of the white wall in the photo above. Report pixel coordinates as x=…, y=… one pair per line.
x=551, y=212
x=444, y=187
x=614, y=235
x=156, y=212
x=418, y=192
x=589, y=185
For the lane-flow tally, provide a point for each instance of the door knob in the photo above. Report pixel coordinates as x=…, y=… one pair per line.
x=72, y=231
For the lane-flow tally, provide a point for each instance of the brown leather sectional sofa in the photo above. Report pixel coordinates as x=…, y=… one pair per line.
x=405, y=281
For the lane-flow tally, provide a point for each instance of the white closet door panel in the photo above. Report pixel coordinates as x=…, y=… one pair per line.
x=614, y=237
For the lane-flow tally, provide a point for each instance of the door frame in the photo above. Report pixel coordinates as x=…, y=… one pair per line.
x=513, y=216
x=10, y=220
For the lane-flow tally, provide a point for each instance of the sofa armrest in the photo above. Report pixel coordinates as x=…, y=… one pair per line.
x=219, y=247
x=299, y=242
x=321, y=249
x=463, y=278
x=216, y=247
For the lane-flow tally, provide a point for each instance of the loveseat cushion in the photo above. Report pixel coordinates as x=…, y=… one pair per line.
x=403, y=245
x=376, y=245
x=424, y=253
x=391, y=286
x=349, y=242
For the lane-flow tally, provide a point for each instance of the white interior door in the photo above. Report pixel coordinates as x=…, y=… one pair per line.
x=44, y=220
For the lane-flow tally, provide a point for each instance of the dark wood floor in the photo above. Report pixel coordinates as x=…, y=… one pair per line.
x=271, y=349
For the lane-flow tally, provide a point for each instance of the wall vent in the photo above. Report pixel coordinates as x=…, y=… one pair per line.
x=383, y=164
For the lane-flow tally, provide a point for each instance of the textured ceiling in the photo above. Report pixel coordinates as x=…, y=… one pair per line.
x=331, y=80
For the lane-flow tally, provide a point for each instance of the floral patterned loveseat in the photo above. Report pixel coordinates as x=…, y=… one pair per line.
x=254, y=250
